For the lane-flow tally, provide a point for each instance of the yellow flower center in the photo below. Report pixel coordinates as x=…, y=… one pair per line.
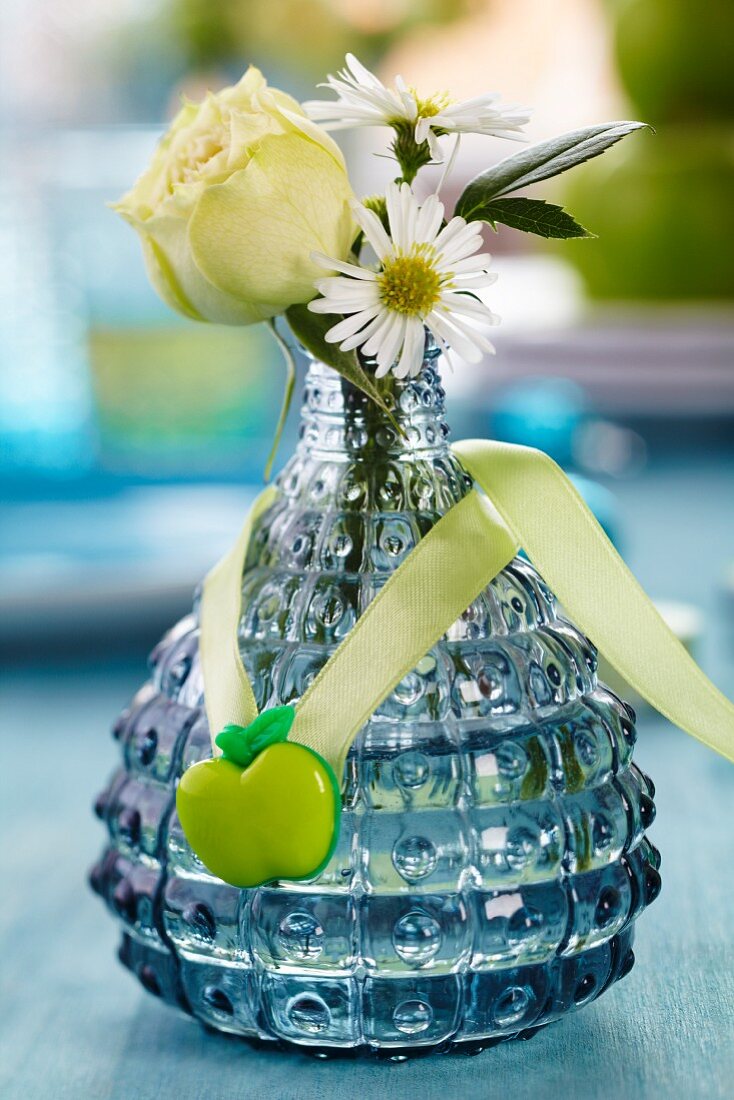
x=431, y=105
x=409, y=282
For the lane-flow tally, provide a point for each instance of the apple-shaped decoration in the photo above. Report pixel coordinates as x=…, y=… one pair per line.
x=267, y=809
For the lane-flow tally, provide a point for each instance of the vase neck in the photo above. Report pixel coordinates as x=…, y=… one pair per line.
x=350, y=457
x=339, y=422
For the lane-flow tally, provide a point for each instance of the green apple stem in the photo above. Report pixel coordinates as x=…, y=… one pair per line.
x=241, y=744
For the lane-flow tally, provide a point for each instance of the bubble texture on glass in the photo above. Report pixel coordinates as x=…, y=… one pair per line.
x=492, y=856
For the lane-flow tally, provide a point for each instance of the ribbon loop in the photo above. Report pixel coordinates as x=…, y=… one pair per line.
x=531, y=503
x=228, y=694
x=568, y=547
x=439, y=579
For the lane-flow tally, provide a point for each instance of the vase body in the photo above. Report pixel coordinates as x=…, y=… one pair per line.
x=492, y=855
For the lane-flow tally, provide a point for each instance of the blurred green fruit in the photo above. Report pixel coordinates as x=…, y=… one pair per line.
x=675, y=57
x=662, y=208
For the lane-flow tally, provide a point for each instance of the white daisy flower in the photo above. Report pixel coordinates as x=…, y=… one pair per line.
x=363, y=100
x=425, y=276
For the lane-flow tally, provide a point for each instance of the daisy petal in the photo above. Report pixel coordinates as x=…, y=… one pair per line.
x=435, y=146
x=476, y=281
x=321, y=305
x=364, y=334
x=331, y=264
x=366, y=293
x=464, y=239
x=373, y=229
x=392, y=205
x=429, y=220
x=341, y=304
x=449, y=232
x=363, y=100
x=406, y=98
x=472, y=263
x=340, y=286
x=411, y=357
x=464, y=305
x=361, y=73
x=374, y=343
x=466, y=348
x=392, y=340
x=469, y=331
x=350, y=325
x=422, y=127
x=408, y=214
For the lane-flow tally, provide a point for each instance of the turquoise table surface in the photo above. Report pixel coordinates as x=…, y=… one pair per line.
x=74, y=1024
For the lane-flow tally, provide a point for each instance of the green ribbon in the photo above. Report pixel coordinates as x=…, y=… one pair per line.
x=530, y=503
x=600, y=595
x=227, y=689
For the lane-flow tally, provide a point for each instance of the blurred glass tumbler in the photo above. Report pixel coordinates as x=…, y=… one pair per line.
x=492, y=857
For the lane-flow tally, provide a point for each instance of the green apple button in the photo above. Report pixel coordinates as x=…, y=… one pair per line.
x=267, y=809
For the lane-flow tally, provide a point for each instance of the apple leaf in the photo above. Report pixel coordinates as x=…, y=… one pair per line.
x=234, y=743
x=540, y=162
x=241, y=744
x=310, y=330
x=531, y=216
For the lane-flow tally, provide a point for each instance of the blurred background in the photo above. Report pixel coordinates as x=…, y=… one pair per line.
x=131, y=439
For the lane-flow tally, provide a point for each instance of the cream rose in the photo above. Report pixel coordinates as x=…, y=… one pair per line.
x=240, y=191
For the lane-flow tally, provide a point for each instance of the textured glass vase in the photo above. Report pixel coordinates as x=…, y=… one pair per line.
x=492, y=857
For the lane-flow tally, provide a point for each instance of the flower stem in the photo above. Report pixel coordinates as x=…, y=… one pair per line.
x=287, y=396
x=410, y=156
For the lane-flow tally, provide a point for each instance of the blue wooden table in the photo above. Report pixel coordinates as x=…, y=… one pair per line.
x=73, y=1024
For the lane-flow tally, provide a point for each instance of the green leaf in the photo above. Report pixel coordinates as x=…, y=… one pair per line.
x=540, y=162
x=531, y=216
x=310, y=330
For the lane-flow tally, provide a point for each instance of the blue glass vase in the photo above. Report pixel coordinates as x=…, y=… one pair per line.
x=492, y=857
